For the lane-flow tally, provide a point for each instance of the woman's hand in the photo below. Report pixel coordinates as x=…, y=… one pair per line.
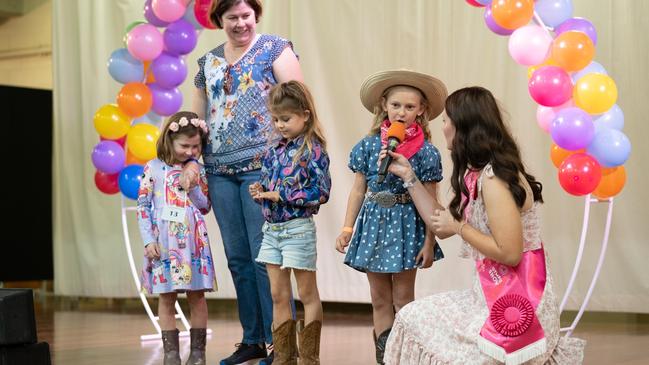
x=343, y=241
x=426, y=255
x=152, y=251
x=268, y=195
x=444, y=225
x=400, y=165
x=190, y=175
x=255, y=189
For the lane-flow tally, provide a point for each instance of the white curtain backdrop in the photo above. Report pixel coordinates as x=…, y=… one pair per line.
x=340, y=42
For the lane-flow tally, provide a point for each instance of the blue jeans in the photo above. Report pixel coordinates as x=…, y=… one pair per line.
x=240, y=221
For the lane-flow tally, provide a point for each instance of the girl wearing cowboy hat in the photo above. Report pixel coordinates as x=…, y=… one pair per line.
x=391, y=240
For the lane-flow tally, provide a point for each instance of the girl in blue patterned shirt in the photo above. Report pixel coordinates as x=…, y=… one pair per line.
x=391, y=240
x=295, y=181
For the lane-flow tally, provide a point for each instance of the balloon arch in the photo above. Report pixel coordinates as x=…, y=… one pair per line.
x=576, y=103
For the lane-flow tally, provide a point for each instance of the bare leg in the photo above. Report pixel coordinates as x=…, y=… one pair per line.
x=197, y=308
x=382, y=305
x=167, y=311
x=307, y=286
x=280, y=290
x=403, y=288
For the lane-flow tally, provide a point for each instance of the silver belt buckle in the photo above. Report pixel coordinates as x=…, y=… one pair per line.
x=385, y=199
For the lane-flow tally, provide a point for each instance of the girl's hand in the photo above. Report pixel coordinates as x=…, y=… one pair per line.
x=400, y=165
x=255, y=189
x=152, y=251
x=444, y=224
x=268, y=195
x=343, y=241
x=425, y=257
x=190, y=175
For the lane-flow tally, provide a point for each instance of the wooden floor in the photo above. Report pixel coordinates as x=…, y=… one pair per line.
x=99, y=334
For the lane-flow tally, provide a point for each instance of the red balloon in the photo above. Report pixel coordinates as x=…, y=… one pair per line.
x=579, y=174
x=121, y=141
x=107, y=183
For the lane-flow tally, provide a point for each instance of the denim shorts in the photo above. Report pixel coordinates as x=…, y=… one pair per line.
x=290, y=244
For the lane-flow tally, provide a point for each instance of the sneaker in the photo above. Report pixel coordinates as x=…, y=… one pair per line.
x=268, y=360
x=244, y=353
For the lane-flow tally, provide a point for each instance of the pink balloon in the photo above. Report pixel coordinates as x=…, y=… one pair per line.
x=529, y=45
x=546, y=114
x=550, y=86
x=168, y=10
x=144, y=42
x=202, y=13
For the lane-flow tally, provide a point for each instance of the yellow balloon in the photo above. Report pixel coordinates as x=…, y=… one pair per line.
x=595, y=93
x=141, y=141
x=111, y=122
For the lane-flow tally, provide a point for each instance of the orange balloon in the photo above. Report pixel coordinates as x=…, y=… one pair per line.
x=150, y=79
x=572, y=50
x=131, y=159
x=512, y=14
x=558, y=154
x=135, y=99
x=613, y=180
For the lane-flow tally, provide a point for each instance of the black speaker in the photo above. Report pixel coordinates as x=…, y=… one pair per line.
x=32, y=354
x=17, y=323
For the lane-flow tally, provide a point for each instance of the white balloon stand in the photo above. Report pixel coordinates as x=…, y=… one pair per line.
x=154, y=319
x=580, y=251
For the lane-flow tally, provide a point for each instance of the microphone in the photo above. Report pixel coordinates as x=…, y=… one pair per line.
x=396, y=134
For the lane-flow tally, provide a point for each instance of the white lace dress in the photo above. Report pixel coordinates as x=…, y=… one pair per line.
x=444, y=328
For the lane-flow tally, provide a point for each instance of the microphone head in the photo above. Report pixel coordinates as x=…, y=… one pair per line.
x=397, y=130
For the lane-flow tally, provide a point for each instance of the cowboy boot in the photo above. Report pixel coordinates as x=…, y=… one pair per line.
x=197, y=353
x=170, y=344
x=284, y=344
x=379, y=344
x=309, y=342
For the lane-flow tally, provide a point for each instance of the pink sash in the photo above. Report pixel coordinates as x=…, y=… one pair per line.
x=512, y=333
x=411, y=144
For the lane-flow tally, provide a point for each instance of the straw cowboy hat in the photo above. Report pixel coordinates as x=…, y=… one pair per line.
x=433, y=89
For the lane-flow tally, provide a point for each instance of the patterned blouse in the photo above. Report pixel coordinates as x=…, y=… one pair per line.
x=236, y=105
x=302, y=186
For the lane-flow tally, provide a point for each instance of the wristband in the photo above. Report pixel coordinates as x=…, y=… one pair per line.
x=348, y=229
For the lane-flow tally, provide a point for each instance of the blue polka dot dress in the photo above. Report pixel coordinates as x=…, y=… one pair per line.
x=388, y=240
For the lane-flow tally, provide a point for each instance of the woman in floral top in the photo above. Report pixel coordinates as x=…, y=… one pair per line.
x=231, y=92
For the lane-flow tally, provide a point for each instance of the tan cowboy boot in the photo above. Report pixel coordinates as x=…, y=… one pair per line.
x=309, y=342
x=170, y=344
x=197, y=353
x=284, y=344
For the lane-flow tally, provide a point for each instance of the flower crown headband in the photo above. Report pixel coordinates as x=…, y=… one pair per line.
x=183, y=122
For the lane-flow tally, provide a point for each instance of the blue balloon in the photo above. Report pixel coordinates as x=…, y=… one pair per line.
x=553, y=12
x=483, y=2
x=149, y=118
x=191, y=17
x=592, y=68
x=610, y=147
x=124, y=68
x=129, y=180
x=613, y=118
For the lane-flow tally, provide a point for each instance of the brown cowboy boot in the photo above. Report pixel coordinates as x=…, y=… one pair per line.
x=170, y=344
x=309, y=342
x=379, y=344
x=197, y=353
x=284, y=344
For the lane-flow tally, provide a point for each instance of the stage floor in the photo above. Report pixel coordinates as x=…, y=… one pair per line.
x=99, y=334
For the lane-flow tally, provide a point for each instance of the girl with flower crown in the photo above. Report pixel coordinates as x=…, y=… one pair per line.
x=170, y=206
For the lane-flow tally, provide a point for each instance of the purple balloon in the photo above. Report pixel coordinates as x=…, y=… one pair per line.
x=169, y=70
x=151, y=17
x=550, y=86
x=165, y=101
x=180, y=37
x=572, y=129
x=579, y=25
x=492, y=25
x=108, y=156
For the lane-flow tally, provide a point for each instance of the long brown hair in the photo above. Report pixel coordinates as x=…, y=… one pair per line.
x=294, y=97
x=380, y=115
x=482, y=138
x=165, y=144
